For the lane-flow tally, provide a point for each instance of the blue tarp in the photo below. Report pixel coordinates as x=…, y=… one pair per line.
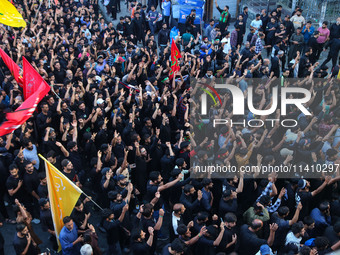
x=185, y=11
x=193, y=3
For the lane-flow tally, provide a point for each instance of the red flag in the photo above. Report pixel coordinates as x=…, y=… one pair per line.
x=12, y=66
x=175, y=55
x=26, y=109
x=32, y=79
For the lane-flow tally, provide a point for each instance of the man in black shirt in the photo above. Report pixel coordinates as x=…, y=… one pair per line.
x=47, y=221
x=44, y=118
x=156, y=185
x=50, y=143
x=14, y=184
x=80, y=215
x=121, y=26
x=333, y=233
x=163, y=37
x=23, y=243
x=141, y=169
x=112, y=229
x=228, y=242
x=69, y=172
x=129, y=27
x=250, y=243
x=191, y=204
x=304, y=196
x=58, y=71
x=323, y=247
x=31, y=183
x=228, y=202
x=139, y=246
x=176, y=247
x=42, y=188
x=75, y=156
x=189, y=23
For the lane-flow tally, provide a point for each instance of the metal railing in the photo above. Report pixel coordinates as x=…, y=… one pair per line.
x=311, y=8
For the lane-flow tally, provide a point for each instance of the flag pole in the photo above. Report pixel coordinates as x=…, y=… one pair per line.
x=52, y=89
x=93, y=201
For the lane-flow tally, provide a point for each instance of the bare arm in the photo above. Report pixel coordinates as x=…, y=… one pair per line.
x=321, y=187
x=220, y=236
x=160, y=220
x=170, y=184
x=273, y=228
x=296, y=215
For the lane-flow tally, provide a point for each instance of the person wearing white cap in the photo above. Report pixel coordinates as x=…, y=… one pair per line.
x=304, y=196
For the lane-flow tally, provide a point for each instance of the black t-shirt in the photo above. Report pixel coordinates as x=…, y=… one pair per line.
x=205, y=246
x=112, y=231
x=304, y=198
x=31, y=182
x=227, y=238
x=46, y=220
x=12, y=183
x=72, y=175
x=59, y=75
x=324, y=252
x=20, y=245
x=42, y=191
x=50, y=145
x=281, y=233
x=78, y=217
x=150, y=194
x=140, y=174
x=140, y=248
x=165, y=250
x=76, y=160
x=331, y=235
x=249, y=241
x=228, y=206
x=146, y=223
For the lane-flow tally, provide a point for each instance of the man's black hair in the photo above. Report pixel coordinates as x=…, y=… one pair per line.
x=182, y=229
x=283, y=210
x=297, y=227
x=67, y=219
x=154, y=175
x=230, y=217
x=187, y=188
x=12, y=166
x=42, y=175
x=308, y=220
x=201, y=216
x=135, y=235
x=321, y=242
x=20, y=227
x=324, y=206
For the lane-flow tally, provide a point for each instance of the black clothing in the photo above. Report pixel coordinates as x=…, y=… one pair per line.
x=20, y=245
x=249, y=241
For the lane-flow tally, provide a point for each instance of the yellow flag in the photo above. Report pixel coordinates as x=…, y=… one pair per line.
x=10, y=16
x=63, y=195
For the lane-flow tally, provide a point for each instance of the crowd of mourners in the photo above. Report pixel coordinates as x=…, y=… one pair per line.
x=118, y=127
